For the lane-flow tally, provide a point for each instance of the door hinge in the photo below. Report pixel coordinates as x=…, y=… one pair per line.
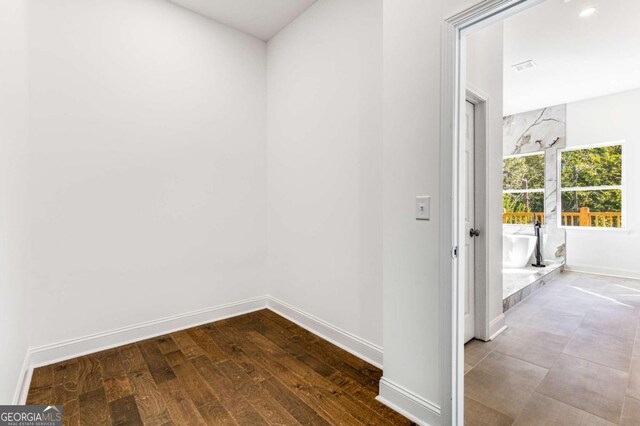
x=454, y=252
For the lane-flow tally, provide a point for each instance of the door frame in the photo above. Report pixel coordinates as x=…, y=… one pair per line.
x=452, y=188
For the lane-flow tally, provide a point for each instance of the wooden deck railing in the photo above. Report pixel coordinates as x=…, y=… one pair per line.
x=520, y=218
x=593, y=219
x=582, y=218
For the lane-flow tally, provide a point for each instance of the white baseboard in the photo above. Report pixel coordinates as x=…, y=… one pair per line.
x=597, y=270
x=50, y=354
x=349, y=342
x=407, y=403
x=497, y=326
x=24, y=380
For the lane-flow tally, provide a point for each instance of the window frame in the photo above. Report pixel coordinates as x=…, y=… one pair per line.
x=621, y=187
x=522, y=191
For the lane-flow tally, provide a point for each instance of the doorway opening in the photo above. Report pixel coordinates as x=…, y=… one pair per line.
x=538, y=213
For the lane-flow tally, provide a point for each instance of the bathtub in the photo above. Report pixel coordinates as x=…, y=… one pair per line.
x=517, y=250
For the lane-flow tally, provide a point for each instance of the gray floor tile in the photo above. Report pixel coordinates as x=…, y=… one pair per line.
x=532, y=345
x=476, y=414
x=467, y=368
x=544, y=411
x=613, y=319
x=633, y=385
x=475, y=350
x=605, y=349
x=591, y=387
x=623, y=286
x=570, y=304
x=555, y=322
x=593, y=284
x=503, y=383
x=630, y=413
x=565, y=276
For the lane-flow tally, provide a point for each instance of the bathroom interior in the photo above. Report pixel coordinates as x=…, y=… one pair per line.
x=566, y=138
x=553, y=335
x=533, y=242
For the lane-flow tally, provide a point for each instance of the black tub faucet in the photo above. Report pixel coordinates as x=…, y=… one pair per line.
x=537, y=226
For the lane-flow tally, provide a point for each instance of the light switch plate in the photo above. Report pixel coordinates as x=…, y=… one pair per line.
x=423, y=207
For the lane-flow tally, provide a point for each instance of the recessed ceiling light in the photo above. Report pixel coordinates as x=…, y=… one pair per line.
x=523, y=65
x=587, y=12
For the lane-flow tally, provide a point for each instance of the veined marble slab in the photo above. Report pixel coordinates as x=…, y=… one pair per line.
x=534, y=131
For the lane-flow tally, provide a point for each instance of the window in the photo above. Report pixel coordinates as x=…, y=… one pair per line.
x=523, y=189
x=591, y=186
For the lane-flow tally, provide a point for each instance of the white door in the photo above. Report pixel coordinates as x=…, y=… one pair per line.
x=469, y=290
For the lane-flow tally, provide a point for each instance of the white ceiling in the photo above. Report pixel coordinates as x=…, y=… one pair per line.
x=259, y=18
x=576, y=58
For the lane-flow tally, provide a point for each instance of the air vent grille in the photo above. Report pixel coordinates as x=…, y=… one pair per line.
x=524, y=65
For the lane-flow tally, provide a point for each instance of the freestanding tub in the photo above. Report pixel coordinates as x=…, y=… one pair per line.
x=517, y=250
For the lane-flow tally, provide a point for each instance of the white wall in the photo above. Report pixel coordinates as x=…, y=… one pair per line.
x=14, y=303
x=410, y=168
x=325, y=165
x=608, y=119
x=148, y=164
x=411, y=140
x=484, y=74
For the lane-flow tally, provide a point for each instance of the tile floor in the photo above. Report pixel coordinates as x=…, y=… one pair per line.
x=571, y=356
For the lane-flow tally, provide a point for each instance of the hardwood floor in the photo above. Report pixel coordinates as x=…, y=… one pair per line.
x=255, y=369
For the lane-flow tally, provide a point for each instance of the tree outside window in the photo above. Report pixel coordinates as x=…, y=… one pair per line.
x=591, y=186
x=523, y=189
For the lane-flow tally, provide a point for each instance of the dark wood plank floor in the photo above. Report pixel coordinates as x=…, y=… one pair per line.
x=255, y=369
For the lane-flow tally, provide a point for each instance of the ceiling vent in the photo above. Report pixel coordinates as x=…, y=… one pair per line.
x=524, y=65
